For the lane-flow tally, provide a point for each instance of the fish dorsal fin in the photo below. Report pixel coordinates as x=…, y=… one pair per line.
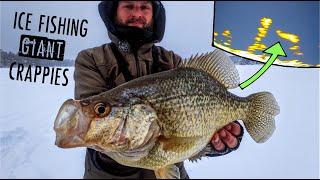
x=218, y=65
x=203, y=153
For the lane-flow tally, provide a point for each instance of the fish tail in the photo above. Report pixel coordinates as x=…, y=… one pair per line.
x=259, y=120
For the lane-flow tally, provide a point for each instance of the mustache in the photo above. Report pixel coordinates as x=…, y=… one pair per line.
x=139, y=20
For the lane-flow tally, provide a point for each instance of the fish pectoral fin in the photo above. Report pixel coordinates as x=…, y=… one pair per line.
x=203, y=153
x=168, y=172
x=177, y=144
x=218, y=65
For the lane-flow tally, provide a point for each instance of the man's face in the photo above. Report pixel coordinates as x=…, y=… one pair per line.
x=134, y=14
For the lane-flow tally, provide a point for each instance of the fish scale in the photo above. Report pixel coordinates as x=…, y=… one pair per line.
x=175, y=107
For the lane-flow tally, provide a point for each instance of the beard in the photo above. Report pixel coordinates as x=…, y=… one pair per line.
x=140, y=20
x=136, y=36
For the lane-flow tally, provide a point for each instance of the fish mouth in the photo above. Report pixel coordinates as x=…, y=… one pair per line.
x=70, y=125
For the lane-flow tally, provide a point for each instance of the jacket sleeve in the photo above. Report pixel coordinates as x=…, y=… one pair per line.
x=168, y=59
x=177, y=60
x=87, y=77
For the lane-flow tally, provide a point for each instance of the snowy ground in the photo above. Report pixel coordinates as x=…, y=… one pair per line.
x=27, y=149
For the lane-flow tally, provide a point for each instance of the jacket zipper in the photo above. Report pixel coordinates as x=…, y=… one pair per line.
x=137, y=64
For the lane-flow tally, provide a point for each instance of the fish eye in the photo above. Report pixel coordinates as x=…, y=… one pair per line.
x=101, y=109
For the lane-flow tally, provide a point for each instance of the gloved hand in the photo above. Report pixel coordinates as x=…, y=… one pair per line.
x=227, y=139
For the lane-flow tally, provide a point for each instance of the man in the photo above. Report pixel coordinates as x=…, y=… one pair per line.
x=133, y=27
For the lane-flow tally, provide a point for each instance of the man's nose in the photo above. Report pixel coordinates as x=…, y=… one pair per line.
x=137, y=12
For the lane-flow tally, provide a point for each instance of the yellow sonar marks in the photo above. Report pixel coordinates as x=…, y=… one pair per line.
x=215, y=34
x=298, y=53
x=294, y=48
x=226, y=33
x=293, y=38
x=288, y=36
x=266, y=22
x=262, y=33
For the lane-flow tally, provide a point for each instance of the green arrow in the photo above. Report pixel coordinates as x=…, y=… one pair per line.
x=275, y=51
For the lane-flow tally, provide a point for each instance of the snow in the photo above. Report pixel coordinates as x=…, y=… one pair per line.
x=28, y=109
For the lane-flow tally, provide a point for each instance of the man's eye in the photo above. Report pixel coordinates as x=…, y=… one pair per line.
x=145, y=7
x=129, y=6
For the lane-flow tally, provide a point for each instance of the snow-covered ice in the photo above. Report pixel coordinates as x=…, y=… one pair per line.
x=27, y=149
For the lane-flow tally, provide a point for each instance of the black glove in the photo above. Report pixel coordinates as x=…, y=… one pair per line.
x=227, y=150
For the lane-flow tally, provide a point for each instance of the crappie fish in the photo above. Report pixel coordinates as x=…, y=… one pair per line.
x=158, y=120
